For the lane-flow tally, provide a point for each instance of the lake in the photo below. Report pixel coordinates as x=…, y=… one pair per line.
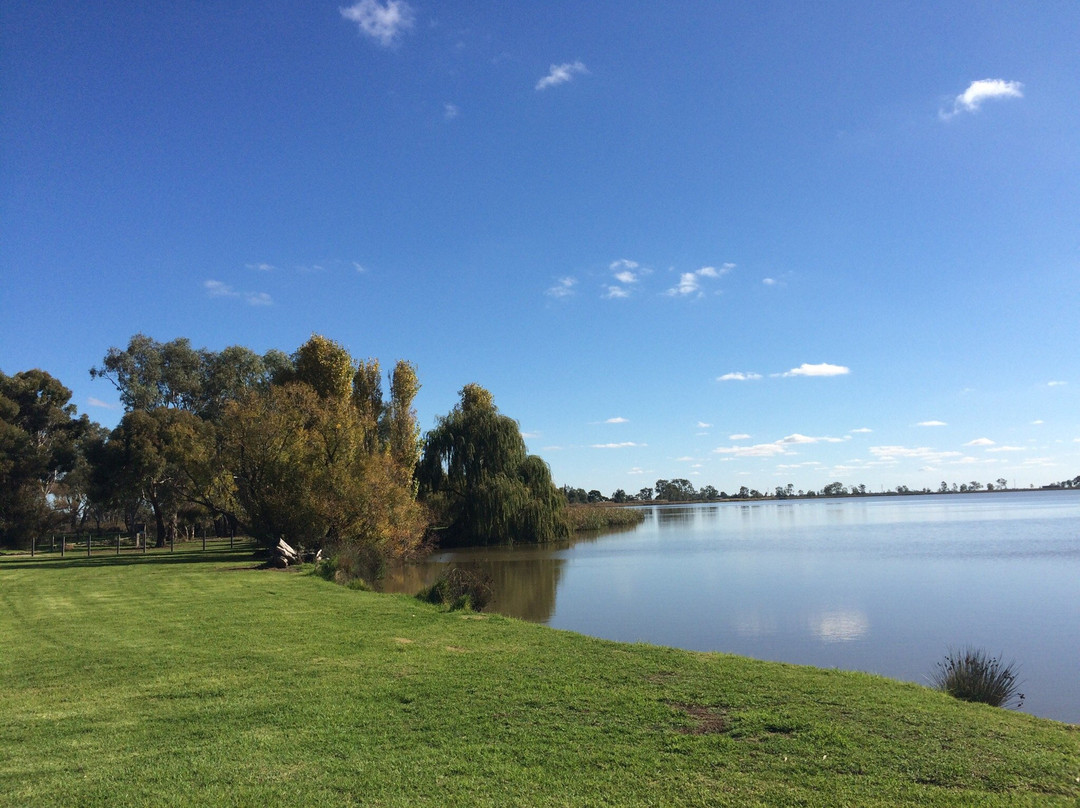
x=880, y=584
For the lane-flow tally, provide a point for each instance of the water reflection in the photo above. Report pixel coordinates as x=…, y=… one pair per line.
x=840, y=626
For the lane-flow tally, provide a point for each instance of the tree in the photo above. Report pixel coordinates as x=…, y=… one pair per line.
x=478, y=477
x=709, y=493
x=39, y=434
x=645, y=495
x=619, y=496
x=833, y=489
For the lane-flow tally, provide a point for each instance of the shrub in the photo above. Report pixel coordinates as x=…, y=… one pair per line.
x=459, y=588
x=598, y=517
x=971, y=674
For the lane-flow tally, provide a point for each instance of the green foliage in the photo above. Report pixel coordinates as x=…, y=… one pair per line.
x=972, y=674
x=325, y=366
x=459, y=588
x=39, y=443
x=483, y=485
x=598, y=517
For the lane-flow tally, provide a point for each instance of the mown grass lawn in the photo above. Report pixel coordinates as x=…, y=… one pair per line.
x=196, y=679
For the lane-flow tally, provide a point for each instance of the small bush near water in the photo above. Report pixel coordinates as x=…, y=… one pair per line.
x=597, y=517
x=459, y=588
x=971, y=674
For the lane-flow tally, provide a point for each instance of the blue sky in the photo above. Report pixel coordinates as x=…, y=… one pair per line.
x=744, y=244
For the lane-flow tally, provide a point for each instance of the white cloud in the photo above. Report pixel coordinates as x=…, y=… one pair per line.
x=797, y=438
x=1006, y=449
x=617, y=420
x=757, y=450
x=616, y=293
x=1037, y=422
x=97, y=402
x=979, y=91
x=739, y=436
x=690, y=282
x=931, y=423
x=684, y=459
x=219, y=289
x=861, y=430
x=824, y=369
x=560, y=74
x=769, y=281
x=624, y=445
x=450, y=111
x=1056, y=384
x=980, y=442
x=921, y=453
x=359, y=267
x=262, y=267
x=626, y=276
x=623, y=263
x=382, y=23
x=564, y=288
x=703, y=425
x=738, y=376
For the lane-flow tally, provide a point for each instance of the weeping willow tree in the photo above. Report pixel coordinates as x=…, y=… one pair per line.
x=477, y=476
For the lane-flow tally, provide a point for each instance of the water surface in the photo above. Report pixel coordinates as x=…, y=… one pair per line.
x=880, y=584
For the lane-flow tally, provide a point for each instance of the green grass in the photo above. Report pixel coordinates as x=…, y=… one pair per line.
x=194, y=679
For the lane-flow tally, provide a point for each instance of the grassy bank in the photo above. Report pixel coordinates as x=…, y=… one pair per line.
x=197, y=680
x=597, y=517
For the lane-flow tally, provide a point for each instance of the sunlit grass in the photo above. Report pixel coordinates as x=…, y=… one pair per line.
x=196, y=679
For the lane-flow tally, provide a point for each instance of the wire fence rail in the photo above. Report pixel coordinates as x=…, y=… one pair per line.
x=115, y=543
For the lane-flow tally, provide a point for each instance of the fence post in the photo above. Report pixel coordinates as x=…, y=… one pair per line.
x=118, y=542
x=204, y=539
x=89, y=543
x=33, y=545
x=63, y=546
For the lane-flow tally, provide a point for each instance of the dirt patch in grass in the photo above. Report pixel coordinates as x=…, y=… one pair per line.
x=707, y=720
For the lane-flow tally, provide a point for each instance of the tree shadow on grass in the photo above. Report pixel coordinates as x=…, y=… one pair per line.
x=246, y=552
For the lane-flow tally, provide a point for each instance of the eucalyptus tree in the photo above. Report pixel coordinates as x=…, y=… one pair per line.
x=39, y=434
x=483, y=485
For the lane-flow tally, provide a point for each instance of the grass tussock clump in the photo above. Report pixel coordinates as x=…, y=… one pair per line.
x=459, y=588
x=971, y=674
x=596, y=517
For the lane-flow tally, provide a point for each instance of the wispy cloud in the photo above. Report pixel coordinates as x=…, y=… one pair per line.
x=980, y=442
x=450, y=111
x=624, y=445
x=560, y=74
x=1007, y=449
x=97, y=402
x=383, y=23
x=703, y=425
x=617, y=420
x=564, y=288
x=757, y=450
x=739, y=436
x=219, y=289
x=903, y=452
x=616, y=292
x=690, y=282
x=262, y=267
x=931, y=423
x=979, y=91
x=1056, y=384
x=861, y=430
x=797, y=438
x=823, y=369
x=738, y=376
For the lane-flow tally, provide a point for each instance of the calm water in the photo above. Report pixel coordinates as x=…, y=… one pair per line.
x=885, y=585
